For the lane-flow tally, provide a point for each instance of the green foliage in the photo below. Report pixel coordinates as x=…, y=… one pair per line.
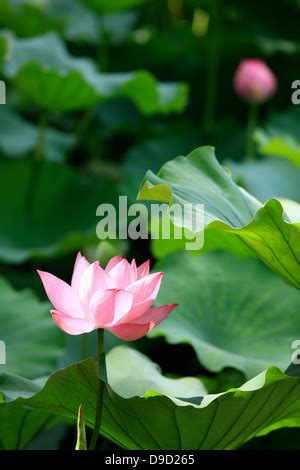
x=98, y=93
x=267, y=178
x=26, y=18
x=153, y=420
x=45, y=227
x=284, y=146
x=19, y=425
x=56, y=143
x=280, y=137
x=27, y=327
x=3, y=47
x=54, y=80
x=198, y=178
x=230, y=311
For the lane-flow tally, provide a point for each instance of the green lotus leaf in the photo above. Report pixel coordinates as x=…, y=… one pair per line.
x=19, y=425
x=282, y=145
x=82, y=24
x=214, y=240
x=200, y=179
x=26, y=18
x=280, y=137
x=155, y=420
x=40, y=219
x=45, y=72
x=234, y=312
x=33, y=344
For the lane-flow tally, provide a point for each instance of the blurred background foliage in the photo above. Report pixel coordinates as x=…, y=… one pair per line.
x=100, y=91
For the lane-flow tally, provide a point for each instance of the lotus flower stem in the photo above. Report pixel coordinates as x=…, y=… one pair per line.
x=84, y=342
x=252, y=123
x=100, y=389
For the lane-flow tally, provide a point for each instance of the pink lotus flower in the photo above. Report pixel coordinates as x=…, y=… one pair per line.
x=118, y=298
x=254, y=81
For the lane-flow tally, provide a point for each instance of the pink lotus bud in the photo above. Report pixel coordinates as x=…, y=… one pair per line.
x=254, y=81
x=118, y=298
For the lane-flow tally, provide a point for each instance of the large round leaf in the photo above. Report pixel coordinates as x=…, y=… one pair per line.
x=46, y=209
x=46, y=73
x=157, y=421
x=234, y=312
x=155, y=152
x=33, y=343
x=200, y=179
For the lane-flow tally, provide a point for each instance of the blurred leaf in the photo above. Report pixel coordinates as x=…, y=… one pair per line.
x=267, y=178
x=81, y=435
x=284, y=146
x=83, y=24
x=26, y=18
x=286, y=123
x=46, y=73
x=79, y=23
x=57, y=145
x=158, y=421
x=199, y=178
x=274, y=45
x=120, y=116
x=12, y=126
x=174, y=51
x=271, y=178
x=235, y=313
x=48, y=219
x=33, y=343
x=116, y=27
x=13, y=385
x=122, y=362
x=4, y=47
x=106, y=249
x=103, y=6
x=292, y=209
